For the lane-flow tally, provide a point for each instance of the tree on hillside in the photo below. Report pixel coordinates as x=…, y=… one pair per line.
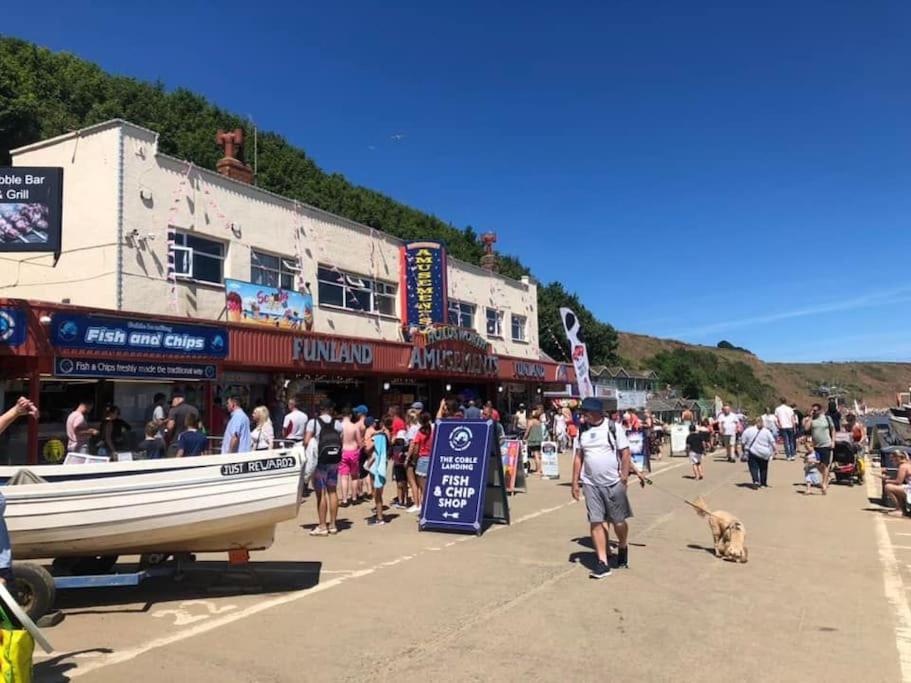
x=700, y=374
x=725, y=344
x=600, y=337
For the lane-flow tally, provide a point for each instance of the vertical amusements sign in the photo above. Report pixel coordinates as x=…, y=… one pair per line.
x=424, y=284
x=457, y=480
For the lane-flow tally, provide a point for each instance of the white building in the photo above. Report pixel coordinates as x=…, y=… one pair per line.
x=121, y=195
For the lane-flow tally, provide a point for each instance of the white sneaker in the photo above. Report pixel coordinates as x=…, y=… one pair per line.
x=414, y=508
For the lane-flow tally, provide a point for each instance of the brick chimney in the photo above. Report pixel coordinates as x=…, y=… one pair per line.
x=489, y=259
x=231, y=164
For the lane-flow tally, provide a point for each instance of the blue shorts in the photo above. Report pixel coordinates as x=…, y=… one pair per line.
x=423, y=466
x=325, y=477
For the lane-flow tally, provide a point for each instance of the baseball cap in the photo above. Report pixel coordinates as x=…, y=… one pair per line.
x=401, y=434
x=417, y=405
x=592, y=405
x=361, y=410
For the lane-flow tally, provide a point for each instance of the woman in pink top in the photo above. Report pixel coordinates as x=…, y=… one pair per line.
x=349, y=468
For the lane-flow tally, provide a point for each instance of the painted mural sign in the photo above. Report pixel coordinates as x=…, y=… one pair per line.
x=247, y=302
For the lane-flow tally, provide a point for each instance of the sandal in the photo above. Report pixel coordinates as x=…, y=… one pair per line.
x=333, y=530
x=319, y=532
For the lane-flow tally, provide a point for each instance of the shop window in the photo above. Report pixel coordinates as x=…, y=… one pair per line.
x=198, y=258
x=461, y=314
x=519, y=324
x=494, y=323
x=273, y=271
x=355, y=292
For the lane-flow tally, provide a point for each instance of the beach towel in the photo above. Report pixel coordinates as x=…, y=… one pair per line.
x=378, y=469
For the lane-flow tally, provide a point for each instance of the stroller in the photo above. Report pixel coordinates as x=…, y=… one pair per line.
x=847, y=463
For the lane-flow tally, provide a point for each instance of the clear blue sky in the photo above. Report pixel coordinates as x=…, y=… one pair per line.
x=691, y=169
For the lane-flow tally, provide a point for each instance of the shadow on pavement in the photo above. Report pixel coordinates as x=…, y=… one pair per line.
x=199, y=580
x=586, y=559
x=386, y=518
x=342, y=524
x=54, y=669
x=694, y=546
x=586, y=542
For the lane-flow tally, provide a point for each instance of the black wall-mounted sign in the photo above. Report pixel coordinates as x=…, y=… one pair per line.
x=31, y=208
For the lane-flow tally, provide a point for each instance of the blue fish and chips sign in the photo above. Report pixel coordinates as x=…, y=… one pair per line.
x=457, y=478
x=102, y=333
x=12, y=327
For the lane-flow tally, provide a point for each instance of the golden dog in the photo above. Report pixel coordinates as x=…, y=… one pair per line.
x=728, y=532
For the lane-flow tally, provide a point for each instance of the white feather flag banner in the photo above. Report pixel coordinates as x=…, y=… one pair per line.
x=579, y=352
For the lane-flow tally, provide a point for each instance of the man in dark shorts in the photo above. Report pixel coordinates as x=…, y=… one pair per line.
x=325, y=477
x=603, y=461
x=399, y=473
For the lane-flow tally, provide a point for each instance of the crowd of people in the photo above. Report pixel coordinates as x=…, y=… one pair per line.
x=349, y=452
x=756, y=441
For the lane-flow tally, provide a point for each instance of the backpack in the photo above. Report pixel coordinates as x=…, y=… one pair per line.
x=611, y=437
x=329, y=444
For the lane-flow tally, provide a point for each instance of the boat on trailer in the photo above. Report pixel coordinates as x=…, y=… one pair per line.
x=900, y=416
x=208, y=503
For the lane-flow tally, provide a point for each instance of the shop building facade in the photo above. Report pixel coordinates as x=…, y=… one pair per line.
x=152, y=243
x=122, y=198
x=59, y=354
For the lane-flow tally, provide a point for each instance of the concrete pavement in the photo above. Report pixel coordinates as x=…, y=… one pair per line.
x=390, y=603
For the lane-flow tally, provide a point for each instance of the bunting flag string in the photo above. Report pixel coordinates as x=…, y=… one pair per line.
x=176, y=197
x=300, y=231
x=341, y=278
x=212, y=204
x=374, y=272
x=558, y=344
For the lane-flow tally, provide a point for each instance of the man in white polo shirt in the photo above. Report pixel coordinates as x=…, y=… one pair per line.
x=603, y=461
x=728, y=424
x=787, y=423
x=295, y=423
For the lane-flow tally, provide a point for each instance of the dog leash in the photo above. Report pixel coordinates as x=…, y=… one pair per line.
x=678, y=497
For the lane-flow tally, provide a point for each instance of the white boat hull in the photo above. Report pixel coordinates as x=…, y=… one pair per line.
x=207, y=504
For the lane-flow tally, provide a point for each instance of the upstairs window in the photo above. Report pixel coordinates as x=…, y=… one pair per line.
x=198, y=258
x=355, y=292
x=494, y=323
x=461, y=314
x=519, y=324
x=273, y=271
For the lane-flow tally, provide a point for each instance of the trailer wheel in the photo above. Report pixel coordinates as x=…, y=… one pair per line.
x=148, y=560
x=34, y=589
